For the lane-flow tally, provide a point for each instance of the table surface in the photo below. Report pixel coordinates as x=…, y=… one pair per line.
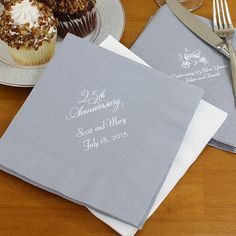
x=202, y=203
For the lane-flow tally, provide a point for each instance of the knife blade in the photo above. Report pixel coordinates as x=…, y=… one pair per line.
x=197, y=27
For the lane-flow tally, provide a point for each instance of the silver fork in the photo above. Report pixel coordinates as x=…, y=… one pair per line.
x=223, y=27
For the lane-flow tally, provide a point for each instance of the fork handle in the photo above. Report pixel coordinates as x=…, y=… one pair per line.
x=233, y=65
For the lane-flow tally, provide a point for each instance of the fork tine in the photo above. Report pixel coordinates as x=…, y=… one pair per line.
x=223, y=14
x=228, y=15
x=214, y=16
x=219, y=15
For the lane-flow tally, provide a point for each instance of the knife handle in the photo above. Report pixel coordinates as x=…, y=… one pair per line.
x=223, y=48
x=233, y=65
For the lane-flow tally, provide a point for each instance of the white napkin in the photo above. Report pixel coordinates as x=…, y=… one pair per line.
x=206, y=121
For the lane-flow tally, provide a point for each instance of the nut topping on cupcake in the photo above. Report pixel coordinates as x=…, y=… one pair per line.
x=4, y=2
x=27, y=23
x=70, y=6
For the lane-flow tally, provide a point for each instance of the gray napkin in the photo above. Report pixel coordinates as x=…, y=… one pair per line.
x=167, y=45
x=98, y=128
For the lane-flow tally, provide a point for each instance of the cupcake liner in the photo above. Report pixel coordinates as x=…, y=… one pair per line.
x=81, y=26
x=31, y=57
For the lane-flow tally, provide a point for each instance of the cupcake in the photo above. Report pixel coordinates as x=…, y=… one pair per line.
x=78, y=17
x=29, y=29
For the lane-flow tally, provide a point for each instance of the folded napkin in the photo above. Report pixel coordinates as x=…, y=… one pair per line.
x=167, y=45
x=206, y=121
x=98, y=129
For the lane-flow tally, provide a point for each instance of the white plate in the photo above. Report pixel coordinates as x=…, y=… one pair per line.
x=112, y=21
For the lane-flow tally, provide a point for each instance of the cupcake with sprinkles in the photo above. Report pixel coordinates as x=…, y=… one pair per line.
x=29, y=29
x=78, y=17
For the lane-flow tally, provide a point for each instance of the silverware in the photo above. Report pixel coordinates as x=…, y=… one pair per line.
x=222, y=146
x=197, y=27
x=223, y=27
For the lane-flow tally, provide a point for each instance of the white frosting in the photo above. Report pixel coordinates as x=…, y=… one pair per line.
x=24, y=12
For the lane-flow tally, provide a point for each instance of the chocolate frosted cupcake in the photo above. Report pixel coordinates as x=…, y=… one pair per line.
x=78, y=17
x=29, y=29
